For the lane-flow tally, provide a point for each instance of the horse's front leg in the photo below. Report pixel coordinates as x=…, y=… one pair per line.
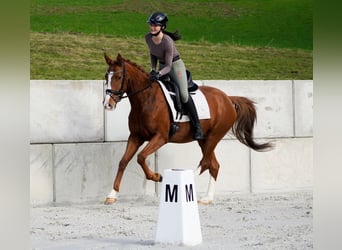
x=132, y=146
x=155, y=143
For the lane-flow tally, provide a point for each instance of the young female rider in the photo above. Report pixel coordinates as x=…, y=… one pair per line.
x=162, y=49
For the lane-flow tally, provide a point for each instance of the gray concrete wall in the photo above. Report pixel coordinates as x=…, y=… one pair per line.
x=66, y=111
x=76, y=146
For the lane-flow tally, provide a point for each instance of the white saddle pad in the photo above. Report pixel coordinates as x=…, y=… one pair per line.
x=200, y=101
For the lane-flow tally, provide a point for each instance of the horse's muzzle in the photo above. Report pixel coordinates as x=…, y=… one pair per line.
x=109, y=102
x=108, y=106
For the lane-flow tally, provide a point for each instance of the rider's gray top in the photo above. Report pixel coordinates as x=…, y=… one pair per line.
x=165, y=52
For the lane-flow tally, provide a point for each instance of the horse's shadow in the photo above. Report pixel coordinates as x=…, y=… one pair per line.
x=91, y=242
x=127, y=242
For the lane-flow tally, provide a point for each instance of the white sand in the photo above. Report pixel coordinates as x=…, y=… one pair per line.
x=248, y=221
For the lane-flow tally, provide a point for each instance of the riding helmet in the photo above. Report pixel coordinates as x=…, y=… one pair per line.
x=158, y=18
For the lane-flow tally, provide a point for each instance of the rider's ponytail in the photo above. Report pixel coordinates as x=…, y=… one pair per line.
x=174, y=35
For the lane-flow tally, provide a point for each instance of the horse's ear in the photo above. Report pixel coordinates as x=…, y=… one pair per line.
x=108, y=60
x=119, y=58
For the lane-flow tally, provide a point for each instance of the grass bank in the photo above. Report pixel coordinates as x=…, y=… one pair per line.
x=80, y=57
x=244, y=39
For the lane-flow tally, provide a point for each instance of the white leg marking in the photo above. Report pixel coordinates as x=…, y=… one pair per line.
x=210, y=193
x=211, y=188
x=112, y=194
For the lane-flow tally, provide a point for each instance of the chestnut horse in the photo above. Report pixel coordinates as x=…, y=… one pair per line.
x=149, y=120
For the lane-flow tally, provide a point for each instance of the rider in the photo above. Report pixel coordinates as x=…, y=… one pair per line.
x=162, y=49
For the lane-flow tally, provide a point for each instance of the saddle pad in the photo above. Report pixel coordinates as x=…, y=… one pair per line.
x=200, y=101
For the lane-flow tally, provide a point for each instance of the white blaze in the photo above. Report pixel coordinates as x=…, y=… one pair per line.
x=109, y=80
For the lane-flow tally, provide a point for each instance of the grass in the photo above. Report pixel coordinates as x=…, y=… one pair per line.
x=70, y=56
x=245, y=39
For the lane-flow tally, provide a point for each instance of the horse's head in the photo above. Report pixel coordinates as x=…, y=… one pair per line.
x=115, y=81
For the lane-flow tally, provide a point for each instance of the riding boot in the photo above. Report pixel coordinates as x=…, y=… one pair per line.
x=190, y=107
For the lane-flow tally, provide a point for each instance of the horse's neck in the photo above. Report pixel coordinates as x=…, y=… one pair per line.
x=141, y=93
x=145, y=97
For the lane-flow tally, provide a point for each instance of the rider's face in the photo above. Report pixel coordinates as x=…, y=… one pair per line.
x=154, y=29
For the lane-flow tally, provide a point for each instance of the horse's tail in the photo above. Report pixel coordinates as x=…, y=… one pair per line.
x=244, y=124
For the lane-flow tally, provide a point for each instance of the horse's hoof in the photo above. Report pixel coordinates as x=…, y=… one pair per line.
x=109, y=201
x=204, y=201
x=160, y=178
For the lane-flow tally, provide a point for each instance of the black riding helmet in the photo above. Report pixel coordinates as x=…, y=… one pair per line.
x=158, y=18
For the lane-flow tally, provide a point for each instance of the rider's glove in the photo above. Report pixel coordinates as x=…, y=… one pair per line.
x=154, y=76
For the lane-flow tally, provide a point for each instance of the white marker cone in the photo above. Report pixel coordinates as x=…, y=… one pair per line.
x=178, y=218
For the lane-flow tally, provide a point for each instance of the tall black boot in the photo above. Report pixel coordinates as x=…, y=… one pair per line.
x=190, y=107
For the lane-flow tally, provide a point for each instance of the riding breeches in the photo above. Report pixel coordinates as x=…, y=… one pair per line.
x=178, y=75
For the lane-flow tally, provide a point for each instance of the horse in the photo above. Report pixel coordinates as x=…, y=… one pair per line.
x=149, y=121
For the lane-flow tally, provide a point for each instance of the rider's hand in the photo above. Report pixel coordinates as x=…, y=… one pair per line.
x=154, y=76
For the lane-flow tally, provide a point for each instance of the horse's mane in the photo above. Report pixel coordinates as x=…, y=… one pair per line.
x=135, y=65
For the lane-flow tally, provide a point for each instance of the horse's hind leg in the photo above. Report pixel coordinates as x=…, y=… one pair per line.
x=213, y=166
x=209, y=162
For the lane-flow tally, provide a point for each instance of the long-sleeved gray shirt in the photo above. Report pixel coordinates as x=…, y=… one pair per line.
x=165, y=51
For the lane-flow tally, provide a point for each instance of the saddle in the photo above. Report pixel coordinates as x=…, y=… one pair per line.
x=173, y=88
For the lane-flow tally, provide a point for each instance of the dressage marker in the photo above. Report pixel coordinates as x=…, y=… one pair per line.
x=178, y=218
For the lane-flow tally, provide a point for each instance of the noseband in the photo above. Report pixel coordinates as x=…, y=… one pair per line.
x=120, y=92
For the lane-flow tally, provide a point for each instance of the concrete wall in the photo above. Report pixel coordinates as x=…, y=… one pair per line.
x=76, y=146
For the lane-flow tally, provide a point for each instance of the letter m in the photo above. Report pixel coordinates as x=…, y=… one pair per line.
x=189, y=193
x=171, y=195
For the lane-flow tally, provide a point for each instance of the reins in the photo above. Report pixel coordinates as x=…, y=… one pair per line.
x=120, y=92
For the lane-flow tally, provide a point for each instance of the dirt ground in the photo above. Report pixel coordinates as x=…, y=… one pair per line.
x=245, y=221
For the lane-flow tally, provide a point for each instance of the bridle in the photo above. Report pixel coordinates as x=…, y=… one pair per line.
x=120, y=93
